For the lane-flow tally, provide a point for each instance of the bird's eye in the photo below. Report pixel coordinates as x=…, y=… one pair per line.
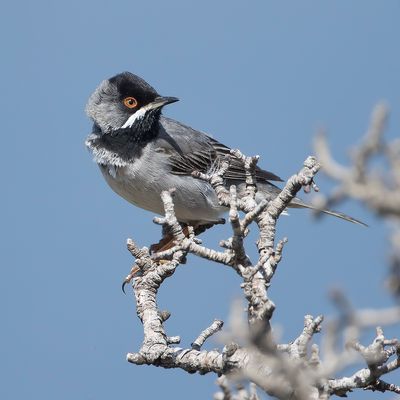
x=130, y=102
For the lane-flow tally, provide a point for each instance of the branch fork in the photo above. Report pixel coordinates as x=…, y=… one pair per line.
x=293, y=370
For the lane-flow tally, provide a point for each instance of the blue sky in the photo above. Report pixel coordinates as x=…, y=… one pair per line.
x=262, y=76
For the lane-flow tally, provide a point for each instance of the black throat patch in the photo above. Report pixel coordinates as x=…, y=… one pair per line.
x=128, y=143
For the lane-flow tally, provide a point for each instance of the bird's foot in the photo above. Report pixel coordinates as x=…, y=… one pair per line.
x=164, y=244
x=135, y=270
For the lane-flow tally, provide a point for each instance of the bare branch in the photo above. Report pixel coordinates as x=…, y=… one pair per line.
x=382, y=386
x=359, y=181
x=211, y=330
x=297, y=370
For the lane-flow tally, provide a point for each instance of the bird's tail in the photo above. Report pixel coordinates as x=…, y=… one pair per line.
x=297, y=203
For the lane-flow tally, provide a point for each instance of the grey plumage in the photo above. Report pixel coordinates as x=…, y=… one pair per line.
x=141, y=153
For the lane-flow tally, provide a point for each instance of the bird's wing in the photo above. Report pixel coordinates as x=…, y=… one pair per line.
x=190, y=150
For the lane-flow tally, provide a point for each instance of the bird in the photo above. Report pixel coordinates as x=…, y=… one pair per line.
x=141, y=153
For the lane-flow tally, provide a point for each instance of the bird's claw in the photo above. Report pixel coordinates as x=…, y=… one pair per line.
x=123, y=286
x=134, y=271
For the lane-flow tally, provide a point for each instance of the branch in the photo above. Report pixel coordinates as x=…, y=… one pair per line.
x=292, y=370
x=211, y=330
x=157, y=347
x=376, y=356
x=359, y=181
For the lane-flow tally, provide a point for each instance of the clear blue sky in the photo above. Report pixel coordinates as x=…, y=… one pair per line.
x=261, y=76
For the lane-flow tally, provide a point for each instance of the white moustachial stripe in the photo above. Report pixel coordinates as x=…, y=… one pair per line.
x=134, y=117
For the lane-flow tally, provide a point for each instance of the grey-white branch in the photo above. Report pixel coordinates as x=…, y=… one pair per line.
x=377, y=189
x=294, y=370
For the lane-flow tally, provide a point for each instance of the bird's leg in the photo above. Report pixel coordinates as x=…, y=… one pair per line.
x=165, y=243
x=168, y=240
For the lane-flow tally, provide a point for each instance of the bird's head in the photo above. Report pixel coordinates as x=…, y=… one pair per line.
x=125, y=101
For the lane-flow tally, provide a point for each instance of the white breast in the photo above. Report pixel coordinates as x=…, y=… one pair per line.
x=142, y=182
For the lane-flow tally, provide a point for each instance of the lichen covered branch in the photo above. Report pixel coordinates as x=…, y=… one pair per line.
x=251, y=352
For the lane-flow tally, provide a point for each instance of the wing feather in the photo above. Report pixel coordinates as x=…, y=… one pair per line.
x=191, y=150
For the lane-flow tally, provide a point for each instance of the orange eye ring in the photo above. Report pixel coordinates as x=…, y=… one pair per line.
x=130, y=102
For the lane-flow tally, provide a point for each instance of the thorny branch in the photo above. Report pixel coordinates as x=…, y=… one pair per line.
x=294, y=370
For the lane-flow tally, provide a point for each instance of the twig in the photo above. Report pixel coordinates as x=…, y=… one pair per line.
x=211, y=330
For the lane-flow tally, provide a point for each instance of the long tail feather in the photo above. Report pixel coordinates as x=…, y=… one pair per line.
x=297, y=203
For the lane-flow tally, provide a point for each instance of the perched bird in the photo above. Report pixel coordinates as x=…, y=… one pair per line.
x=141, y=153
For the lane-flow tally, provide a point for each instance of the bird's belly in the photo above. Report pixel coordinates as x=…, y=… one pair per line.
x=194, y=200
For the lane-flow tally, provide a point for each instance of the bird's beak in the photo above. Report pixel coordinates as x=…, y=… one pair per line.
x=162, y=101
x=158, y=103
